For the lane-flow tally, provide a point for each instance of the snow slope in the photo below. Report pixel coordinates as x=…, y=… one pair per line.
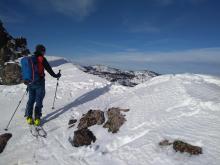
x=185, y=107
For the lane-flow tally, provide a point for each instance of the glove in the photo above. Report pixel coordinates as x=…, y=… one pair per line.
x=26, y=82
x=58, y=75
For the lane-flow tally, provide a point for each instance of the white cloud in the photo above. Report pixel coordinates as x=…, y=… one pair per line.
x=81, y=8
x=170, y=2
x=205, y=55
x=141, y=27
x=104, y=44
x=76, y=8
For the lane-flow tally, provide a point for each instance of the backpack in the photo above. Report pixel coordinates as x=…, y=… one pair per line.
x=29, y=69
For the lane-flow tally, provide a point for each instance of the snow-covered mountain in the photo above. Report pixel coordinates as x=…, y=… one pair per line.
x=126, y=78
x=184, y=106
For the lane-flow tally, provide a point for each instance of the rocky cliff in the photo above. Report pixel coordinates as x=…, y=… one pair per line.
x=10, y=50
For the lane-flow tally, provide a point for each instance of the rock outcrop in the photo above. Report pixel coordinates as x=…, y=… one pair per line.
x=185, y=147
x=181, y=146
x=10, y=50
x=11, y=74
x=115, y=119
x=3, y=140
x=83, y=137
x=92, y=117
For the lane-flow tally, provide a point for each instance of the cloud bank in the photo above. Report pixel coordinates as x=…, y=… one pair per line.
x=203, y=61
x=204, y=55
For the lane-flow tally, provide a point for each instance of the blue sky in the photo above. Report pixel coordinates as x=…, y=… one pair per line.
x=166, y=36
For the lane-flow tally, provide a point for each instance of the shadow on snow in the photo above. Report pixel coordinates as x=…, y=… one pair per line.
x=79, y=101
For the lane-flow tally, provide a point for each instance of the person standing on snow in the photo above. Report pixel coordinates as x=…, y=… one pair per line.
x=37, y=89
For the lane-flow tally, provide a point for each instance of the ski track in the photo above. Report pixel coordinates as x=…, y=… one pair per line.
x=185, y=107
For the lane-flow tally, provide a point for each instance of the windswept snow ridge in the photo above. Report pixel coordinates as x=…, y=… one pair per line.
x=185, y=107
x=56, y=61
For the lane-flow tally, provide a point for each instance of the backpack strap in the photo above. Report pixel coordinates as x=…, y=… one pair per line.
x=40, y=66
x=32, y=68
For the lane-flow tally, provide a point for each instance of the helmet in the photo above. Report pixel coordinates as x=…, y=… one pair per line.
x=40, y=48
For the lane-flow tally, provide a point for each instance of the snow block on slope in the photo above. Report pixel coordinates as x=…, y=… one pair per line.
x=3, y=140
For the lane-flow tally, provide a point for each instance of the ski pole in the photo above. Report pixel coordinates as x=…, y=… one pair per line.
x=56, y=91
x=16, y=109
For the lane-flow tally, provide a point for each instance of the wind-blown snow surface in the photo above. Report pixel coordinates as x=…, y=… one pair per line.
x=185, y=107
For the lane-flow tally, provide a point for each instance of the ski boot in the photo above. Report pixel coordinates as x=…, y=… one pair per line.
x=29, y=120
x=37, y=122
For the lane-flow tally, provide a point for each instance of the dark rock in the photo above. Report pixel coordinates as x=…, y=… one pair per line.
x=72, y=121
x=11, y=74
x=91, y=118
x=185, y=147
x=5, y=55
x=165, y=143
x=4, y=36
x=83, y=137
x=3, y=140
x=20, y=42
x=115, y=119
x=182, y=147
x=10, y=50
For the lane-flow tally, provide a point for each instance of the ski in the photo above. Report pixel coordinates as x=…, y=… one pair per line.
x=33, y=131
x=38, y=131
x=41, y=131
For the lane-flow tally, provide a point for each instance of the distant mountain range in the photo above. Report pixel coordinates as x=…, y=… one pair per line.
x=125, y=78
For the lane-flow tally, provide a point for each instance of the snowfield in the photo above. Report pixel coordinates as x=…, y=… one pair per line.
x=184, y=107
